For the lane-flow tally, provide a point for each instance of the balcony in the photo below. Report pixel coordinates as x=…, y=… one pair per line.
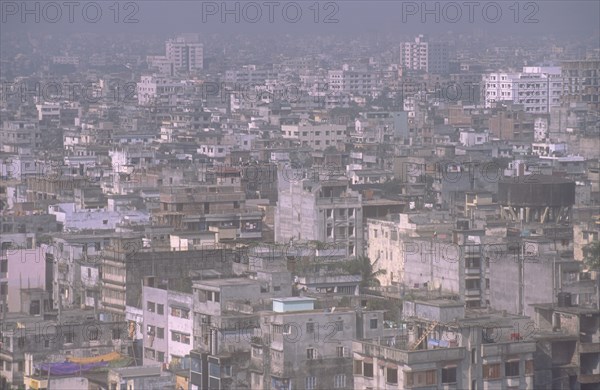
x=592, y=378
x=589, y=347
x=409, y=357
x=504, y=349
x=472, y=271
x=471, y=292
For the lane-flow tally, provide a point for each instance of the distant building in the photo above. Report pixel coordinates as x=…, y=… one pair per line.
x=431, y=57
x=582, y=82
x=538, y=89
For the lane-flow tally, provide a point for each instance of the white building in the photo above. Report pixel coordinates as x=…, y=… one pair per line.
x=354, y=81
x=159, y=90
x=537, y=88
x=431, y=57
x=168, y=324
x=318, y=137
x=469, y=137
x=183, y=54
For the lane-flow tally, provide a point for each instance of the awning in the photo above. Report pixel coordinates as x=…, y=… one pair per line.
x=109, y=357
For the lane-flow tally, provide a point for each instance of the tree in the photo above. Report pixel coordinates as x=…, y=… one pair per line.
x=362, y=266
x=591, y=253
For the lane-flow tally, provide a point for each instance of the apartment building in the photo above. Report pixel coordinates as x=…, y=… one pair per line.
x=423, y=55
x=444, y=349
x=210, y=207
x=168, y=321
x=568, y=346
x=353, y=81
x=321, y=208
x=427, y=255
x=581, y=83
x=318, y=137
x=537, y=88
x=304, y=348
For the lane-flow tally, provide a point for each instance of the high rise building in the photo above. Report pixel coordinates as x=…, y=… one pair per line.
x=421, y=54
x=537, y=88
x=186, y=53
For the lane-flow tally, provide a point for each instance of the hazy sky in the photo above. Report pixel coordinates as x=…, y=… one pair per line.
x=402, y=17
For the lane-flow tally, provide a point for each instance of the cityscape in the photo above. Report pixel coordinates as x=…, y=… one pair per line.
x=368, y=195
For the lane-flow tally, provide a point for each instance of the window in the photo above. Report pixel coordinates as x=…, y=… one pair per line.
x=180, y=312
x=339, y=326
x=151, y=307
x=368, y=370
x=392, y=376
x=311, y=382
x=160, y=356
x=491, y=371
x=311, y=353
x=160, y=309
x=149, y=353
x=511, y=368
x=421, y=378
x=116, y=333
x=373, y=323
x=310, y=327
x=358, y=367
x=449, y=375
x=160, y=333
x=339, y=381
x=529, y=367
x=151, y=330
x=180, y=337
x=340, y=352
x=69, y=337
x=287, y=329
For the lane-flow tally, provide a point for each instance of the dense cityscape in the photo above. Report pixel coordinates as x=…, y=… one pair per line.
x=362, y=207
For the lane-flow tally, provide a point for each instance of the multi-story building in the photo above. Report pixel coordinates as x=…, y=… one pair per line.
x=581, y=82
x=443, y=349
x=353, y=81
x=20, y=135
x=183, y=54
x=34, y=337
x=568, y=338
x=159, y=90
x=168, y=321
x=303, y=348
x=320, y=208
x=538, y=89
x=318, y=137
x=432, y=57
x=423, y=252
x=218, y=208
x=125, y=263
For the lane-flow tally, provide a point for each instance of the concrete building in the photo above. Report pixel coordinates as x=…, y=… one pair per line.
x=184, y=54
x=568, y=340
x=362, y=82
x=321, y=208
x=167, y=322
x=443, y=349
x=303, y=348
x=431, y=257
x=317, y=137
x=538, y=89
x=432, y=57
x=125, y=263
x=581, y=82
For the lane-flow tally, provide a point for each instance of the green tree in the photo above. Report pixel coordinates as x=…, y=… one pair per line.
x=591, y=253
x=363, y=266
